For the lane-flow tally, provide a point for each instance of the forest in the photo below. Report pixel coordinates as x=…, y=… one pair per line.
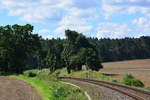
x=21, y=49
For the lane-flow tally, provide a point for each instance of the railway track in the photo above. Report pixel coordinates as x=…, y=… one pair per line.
x=135, y=93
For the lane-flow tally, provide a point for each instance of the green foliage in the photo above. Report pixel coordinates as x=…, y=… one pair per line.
x=77, y=90
x=50, y=87
x=122, y=49
x=20, y=50
x=17, y=43
x=115, y=81
x=128, y=77
x=31, y=74
x=61, y=93
x=131, y=81
x=79, y=51
x=53, y=58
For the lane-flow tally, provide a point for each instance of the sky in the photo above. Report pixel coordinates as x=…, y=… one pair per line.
x=93, y=18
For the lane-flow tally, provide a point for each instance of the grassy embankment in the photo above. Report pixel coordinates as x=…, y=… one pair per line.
x=45, y=91
x=84, y=74
x=127, y=79
x=50, y=88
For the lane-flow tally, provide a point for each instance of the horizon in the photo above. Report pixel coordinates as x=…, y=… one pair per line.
x=93, y=18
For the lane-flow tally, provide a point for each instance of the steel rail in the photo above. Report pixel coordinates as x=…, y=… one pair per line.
x=117, y=87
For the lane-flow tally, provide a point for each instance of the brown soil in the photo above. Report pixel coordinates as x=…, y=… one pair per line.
x=128, y=64
x=138, y=68
x=14, y=89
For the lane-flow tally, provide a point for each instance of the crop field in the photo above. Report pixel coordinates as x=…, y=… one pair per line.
x=138, y=68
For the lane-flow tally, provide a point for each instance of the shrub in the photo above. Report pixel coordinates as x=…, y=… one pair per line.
x=115, y=81
x=131, y=81
x=61, y=92
x=77, y=90
x=137, y=83
x=128, y=76
x=31, y=74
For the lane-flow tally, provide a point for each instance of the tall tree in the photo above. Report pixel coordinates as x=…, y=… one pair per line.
x=17, y=42
x=79, y=51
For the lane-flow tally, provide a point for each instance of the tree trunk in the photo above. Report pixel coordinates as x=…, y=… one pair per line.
x=68, y=69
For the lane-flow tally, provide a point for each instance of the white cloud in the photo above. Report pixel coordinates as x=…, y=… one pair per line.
x=8, y=4
x=48, y=37
x=42, y=14
x=78, y=20
x=79, y=15
x=81, y=29
x=115, y=7
x=111, y=30
x=143, y=26
x=41, y=11
x=66, y=14
x=44, y=31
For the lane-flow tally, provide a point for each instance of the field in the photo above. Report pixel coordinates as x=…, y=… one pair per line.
x=138, y=68
x=14, y=89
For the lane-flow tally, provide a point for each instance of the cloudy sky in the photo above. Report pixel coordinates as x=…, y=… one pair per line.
x=95, y=18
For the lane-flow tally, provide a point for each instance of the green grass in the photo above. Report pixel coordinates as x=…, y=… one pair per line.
x=83, y=74
x=62, y=91
x=42, y=87
x=43, y=83
x=59, y=91
x=50, y=88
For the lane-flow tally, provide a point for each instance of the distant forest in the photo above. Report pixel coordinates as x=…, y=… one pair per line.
x=122, y=49
x=115, y=49
x=20, y=49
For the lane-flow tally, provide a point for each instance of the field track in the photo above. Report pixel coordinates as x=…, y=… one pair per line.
x=14, y=89
x=135, y=93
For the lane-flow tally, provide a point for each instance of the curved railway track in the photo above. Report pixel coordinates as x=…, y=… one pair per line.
x=135, y=93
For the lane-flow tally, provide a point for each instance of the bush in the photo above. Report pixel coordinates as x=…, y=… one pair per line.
x=61, y=92
x=137, y=83
x=115, y=81
x=31, y=74
x=77, y=90
x=131, y=81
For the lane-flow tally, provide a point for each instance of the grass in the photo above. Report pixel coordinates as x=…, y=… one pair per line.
x=50, y=88
x=83, y=74
x=62, y=91
x=42, y=87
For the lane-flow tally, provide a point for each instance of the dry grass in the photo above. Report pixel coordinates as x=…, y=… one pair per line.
x=138, y=68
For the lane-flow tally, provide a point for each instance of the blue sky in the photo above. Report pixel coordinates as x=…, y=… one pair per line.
x=94, y=18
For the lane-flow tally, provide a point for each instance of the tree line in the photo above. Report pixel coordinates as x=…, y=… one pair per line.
x=122, y=49
x=20, y=50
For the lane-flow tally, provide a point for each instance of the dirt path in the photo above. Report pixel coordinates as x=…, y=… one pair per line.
x=14, y=89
